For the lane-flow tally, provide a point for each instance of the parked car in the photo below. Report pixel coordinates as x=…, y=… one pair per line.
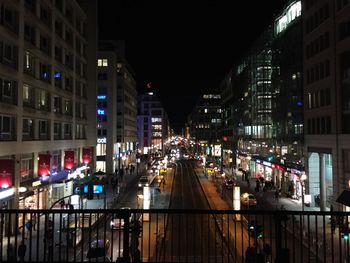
x=99, y=251
x=248, y=199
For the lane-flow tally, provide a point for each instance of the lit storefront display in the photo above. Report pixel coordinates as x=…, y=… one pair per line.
x=87, y=156
x=44, y=164
x=6, y=173
x=68, y=159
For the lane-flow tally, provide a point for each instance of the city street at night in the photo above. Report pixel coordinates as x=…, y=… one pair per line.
x=175, y=131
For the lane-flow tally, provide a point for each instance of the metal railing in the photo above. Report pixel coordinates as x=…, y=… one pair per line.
x=159, y=235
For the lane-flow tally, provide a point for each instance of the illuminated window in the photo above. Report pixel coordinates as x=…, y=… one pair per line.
x=102, y=62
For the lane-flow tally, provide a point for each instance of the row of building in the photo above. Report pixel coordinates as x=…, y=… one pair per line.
x=285, y=107
x=68, y=102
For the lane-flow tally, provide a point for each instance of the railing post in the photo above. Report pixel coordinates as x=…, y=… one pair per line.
x=126, y=216
x=278, y=237
x=282, y=254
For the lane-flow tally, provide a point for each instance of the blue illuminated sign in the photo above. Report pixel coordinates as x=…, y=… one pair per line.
x=101, y=97
x=299, y=104
x=100, y=112
x=57, y=75
x=97, y=189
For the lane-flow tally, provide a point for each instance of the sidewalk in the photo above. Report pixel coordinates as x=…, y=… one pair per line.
x=267, y=198
x=311, y=236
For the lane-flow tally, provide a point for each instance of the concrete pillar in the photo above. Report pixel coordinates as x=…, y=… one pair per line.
x=323, y=195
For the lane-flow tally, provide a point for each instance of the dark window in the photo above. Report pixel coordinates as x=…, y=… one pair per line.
x=43, y=130
x=67, y=131
x=28, y=129
x=30, y=33
x=30, y=5
x=57, y=131
x=45, y=44
x=45, y=16
x=8, y=91
x=45, y=72
x=7, y=128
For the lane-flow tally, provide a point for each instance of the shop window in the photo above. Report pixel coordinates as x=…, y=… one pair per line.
x=26, y=167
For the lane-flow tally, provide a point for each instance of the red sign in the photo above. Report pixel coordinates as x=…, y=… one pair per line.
x=44, y=165
x=86, y=155
x=68, y=159
x=6, y=173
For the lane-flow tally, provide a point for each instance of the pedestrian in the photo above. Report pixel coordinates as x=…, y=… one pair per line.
x=11, y=256
x=22, y=251
x=33, y=218
x=121, y=174
x=277, y=193
x=62, y=203
x=126, y=169
x=28, y=226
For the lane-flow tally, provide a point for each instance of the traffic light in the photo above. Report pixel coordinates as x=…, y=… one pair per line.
x=259, y=231
x=344, y=230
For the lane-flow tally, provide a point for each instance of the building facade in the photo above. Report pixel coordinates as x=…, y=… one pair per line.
x=46, y=85
x=152, y=124
x=205, y=124
x=116, y=109
x=326, y=43
x=263, y=116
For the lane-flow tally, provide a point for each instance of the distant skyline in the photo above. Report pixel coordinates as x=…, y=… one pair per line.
x=184, y=48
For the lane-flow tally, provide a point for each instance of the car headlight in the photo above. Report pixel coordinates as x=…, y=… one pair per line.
x=140, y=185
x=146, y=184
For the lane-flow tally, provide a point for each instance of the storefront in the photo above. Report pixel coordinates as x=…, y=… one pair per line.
x=32, y=195
x=263, y=169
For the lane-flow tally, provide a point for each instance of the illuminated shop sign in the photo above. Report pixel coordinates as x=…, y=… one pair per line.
x=102, y=140
x=289, y=14
x=101, y=97
x=267, y=163
x=7, y=193
x=100, y=112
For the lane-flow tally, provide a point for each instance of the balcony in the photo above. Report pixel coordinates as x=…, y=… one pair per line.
x=173, y=235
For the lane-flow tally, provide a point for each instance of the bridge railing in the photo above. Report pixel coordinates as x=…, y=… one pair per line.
x=159, y=235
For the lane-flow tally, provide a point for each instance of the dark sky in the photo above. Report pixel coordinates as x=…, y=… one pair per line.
x=184, y=47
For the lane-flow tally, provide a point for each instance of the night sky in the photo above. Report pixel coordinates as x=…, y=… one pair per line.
x=184, y=47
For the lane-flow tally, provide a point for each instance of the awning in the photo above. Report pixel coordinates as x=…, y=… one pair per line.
x=59, y=176
x=344, y=198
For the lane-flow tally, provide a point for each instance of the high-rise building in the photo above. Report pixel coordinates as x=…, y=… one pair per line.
x=152, y=124
x=326, y=43
x=205, y=123
x=262, y=105
x=47, y=81
x=116, y=108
